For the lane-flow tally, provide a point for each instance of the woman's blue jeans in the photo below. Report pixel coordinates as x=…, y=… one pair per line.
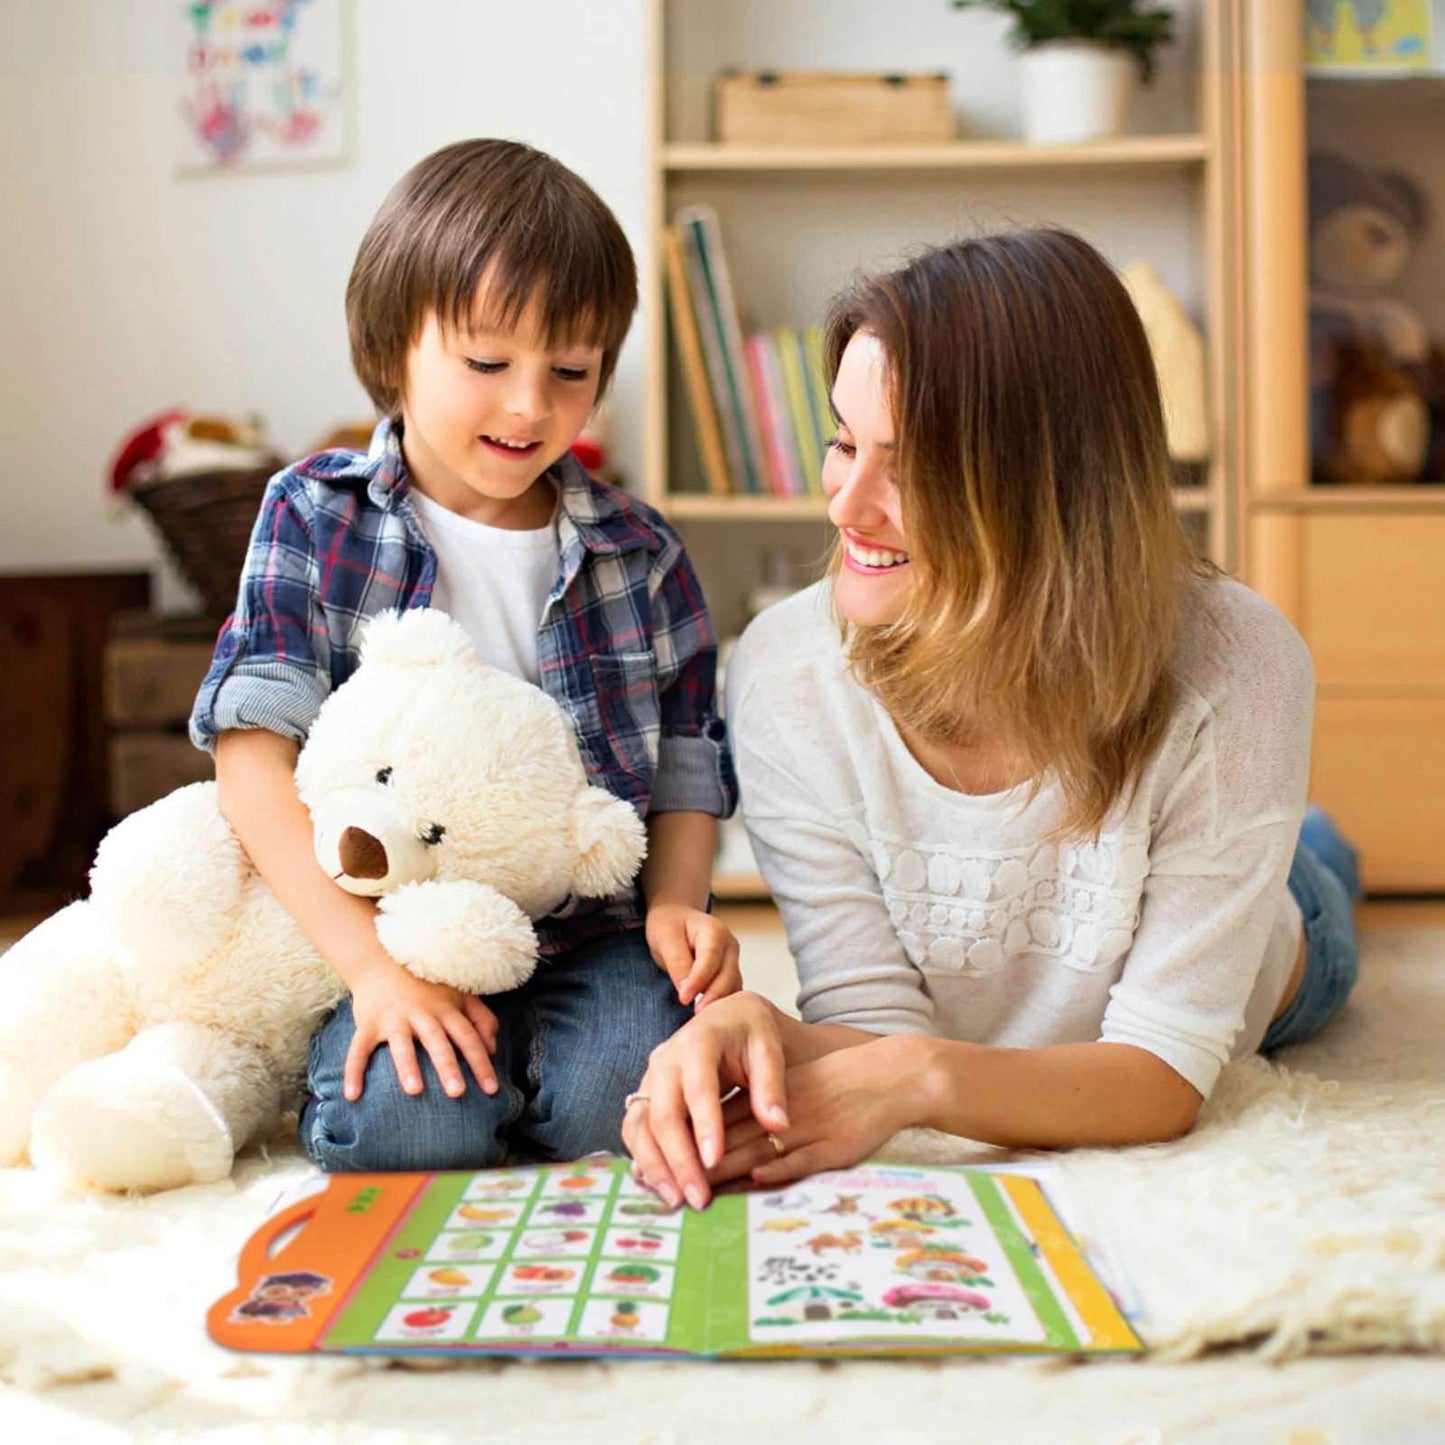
x=1325, y=881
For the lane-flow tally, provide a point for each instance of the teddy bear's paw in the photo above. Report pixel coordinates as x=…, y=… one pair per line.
x=119, y=1123
x=465, y=935
x=17, y=1110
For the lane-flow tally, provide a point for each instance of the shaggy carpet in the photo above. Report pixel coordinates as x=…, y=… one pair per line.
x=1304, y=1216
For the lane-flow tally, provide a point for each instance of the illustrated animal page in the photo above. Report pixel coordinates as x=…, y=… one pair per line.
x=580, y=1259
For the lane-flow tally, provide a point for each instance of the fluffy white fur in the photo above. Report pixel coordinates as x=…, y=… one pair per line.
x=150, y=1032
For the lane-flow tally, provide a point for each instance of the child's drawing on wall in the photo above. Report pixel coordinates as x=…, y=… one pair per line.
x=263, y=83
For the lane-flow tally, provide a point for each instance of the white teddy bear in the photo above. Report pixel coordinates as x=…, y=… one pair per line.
x=151, y=1031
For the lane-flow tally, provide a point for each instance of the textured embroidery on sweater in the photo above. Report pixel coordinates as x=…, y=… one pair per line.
x=971, y=913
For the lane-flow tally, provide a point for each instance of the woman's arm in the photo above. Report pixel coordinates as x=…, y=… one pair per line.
x=843, y=1107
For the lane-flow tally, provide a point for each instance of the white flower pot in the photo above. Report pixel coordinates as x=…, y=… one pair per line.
x=1073, y=90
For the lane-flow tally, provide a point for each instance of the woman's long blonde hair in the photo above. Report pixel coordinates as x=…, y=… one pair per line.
x=1049, y=564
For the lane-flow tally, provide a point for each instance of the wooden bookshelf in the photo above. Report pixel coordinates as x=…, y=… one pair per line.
x=1154, y=150
x=1186, y=164
x=1407, y=497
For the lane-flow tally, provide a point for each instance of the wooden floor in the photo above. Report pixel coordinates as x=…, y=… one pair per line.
x=1375, y=913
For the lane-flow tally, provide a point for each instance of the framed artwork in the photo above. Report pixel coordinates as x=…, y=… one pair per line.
x=265, y=84
x=1367, y=36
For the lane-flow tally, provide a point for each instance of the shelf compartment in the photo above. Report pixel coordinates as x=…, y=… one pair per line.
x=1404, y=497
x=746, y=507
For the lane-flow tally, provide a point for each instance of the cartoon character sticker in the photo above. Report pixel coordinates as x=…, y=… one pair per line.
x=276, y=1299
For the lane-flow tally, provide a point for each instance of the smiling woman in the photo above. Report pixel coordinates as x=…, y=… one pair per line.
x=1025, y=777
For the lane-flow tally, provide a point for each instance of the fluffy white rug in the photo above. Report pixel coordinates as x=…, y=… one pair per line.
x=1307, y=1212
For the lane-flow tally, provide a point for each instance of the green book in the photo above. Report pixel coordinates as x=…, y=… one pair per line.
x=580, y=1259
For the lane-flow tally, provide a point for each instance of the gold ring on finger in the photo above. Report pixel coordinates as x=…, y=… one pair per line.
x=779, y=1148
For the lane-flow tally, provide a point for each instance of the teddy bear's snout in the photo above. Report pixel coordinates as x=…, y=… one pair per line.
x=363, y=855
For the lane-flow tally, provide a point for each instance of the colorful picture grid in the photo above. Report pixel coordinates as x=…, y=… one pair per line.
x=546, y=1257
x=882, y=1253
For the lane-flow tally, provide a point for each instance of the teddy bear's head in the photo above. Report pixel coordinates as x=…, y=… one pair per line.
x=428, y=765
x=1364, y=224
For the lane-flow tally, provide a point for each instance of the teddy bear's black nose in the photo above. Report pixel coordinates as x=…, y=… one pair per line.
x=362, y=856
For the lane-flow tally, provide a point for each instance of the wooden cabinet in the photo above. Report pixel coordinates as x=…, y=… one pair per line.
x=799, y=221
x=1359, y=569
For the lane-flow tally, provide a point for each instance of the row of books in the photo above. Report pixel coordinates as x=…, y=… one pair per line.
x=759, y=402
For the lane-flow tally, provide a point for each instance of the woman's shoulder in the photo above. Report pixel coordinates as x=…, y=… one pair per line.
x=798, y=634
x=791, y=656
x=1236, y=647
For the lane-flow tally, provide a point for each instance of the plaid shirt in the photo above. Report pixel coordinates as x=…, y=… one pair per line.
x=625, y=644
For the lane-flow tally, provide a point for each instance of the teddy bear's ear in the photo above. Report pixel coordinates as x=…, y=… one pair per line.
x=611, y=843
x=420, y=637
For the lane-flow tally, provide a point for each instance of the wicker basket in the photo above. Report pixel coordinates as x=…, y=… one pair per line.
x=205, y=520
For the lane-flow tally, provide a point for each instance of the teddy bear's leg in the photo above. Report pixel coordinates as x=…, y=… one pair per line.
x=169, y=1109
x=170, y=880
x=62, y=1001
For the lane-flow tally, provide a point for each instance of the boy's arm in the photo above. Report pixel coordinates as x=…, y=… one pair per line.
x=255, y=775
x=698, y=952
x=693, y=787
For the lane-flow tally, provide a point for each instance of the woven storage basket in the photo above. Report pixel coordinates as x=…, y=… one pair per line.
x=205, y=520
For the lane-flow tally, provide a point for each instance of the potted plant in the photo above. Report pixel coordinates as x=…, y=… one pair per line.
x=1079, y=61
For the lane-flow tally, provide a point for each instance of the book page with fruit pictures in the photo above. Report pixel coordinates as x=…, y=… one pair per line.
x=581, y=1259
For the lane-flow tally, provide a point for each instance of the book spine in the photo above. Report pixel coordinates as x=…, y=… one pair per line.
x=790, y=363
x=686, y=332
x=710, y=333
x=787, y=432
x=702, y=222
x=771, y=420
x=818, y=396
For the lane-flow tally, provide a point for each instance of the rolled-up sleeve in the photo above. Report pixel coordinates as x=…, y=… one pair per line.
x=694, y=762
x=271, y=666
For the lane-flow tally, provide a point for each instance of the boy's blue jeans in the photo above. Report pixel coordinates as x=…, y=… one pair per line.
x=1325, y=881
x=571, y=1043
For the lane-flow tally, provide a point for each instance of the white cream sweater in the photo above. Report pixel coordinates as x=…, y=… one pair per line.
x=911, y=907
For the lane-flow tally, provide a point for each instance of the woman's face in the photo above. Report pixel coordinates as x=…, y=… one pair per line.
x=861, y=483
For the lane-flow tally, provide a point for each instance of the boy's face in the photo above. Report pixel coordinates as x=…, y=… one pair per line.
x=488, y=409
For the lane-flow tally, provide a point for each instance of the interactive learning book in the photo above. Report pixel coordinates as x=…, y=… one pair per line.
x=579, y=1259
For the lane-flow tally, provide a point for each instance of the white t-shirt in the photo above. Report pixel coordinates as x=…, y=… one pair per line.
x=911, y=907
x=495, y=582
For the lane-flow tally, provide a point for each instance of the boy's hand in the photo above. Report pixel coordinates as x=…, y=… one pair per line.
x=394, y=1007
x=697, y=952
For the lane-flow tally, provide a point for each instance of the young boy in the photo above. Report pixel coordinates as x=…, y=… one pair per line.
x=486, y=308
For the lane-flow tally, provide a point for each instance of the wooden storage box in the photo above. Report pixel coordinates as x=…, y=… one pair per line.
x=831, y=108
x=153, y=668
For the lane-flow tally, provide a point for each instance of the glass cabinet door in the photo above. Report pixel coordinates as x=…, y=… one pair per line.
x=1341, y=257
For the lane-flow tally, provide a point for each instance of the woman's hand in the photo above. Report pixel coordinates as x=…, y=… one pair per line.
x=841, y=1108
x=674, y=1127
x=394, y=1007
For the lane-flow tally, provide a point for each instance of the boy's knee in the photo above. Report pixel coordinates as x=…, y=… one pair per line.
x=584, y=1092
x=387, y=1129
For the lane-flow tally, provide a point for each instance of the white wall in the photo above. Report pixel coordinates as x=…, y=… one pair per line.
x=128, y=289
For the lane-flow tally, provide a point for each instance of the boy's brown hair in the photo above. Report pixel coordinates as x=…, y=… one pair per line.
x=495, y=208
x=1050, y=566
